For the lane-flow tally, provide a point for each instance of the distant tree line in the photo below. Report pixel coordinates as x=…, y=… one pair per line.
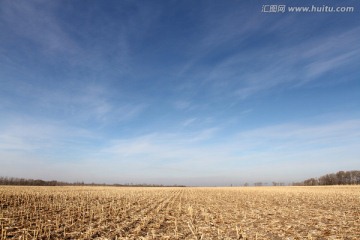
x=30, y=182
x=38, y=182
x=339, y=178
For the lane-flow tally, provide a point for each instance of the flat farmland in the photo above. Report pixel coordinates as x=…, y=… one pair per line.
x=180, y=213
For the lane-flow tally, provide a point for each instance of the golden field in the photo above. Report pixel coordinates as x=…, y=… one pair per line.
x=180, y=213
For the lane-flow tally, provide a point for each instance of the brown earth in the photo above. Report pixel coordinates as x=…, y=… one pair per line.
x=180, y=213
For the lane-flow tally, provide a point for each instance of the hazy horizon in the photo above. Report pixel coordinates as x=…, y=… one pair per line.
x=177, y=92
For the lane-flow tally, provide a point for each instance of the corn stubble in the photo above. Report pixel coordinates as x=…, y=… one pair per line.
x=180, y=213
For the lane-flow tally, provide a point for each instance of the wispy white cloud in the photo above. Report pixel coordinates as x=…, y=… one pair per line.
x=264, y=143
x=182, y=104
x=284, y=148
x=101, y=46
x=97, y=102
x=288, y=68
x=231, y=28
x=36, y=21
x=299, y=137
x=30, y=135
x=203, y=135
x=80, y=103
x=188, y=121
x=291, y=63
x=169, y=155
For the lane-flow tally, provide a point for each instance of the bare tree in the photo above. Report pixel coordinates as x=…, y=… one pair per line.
x=339, y=178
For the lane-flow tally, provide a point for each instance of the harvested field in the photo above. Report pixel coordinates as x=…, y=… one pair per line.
x=180, y=213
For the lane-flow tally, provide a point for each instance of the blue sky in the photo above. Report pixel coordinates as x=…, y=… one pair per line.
x=177, y=92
